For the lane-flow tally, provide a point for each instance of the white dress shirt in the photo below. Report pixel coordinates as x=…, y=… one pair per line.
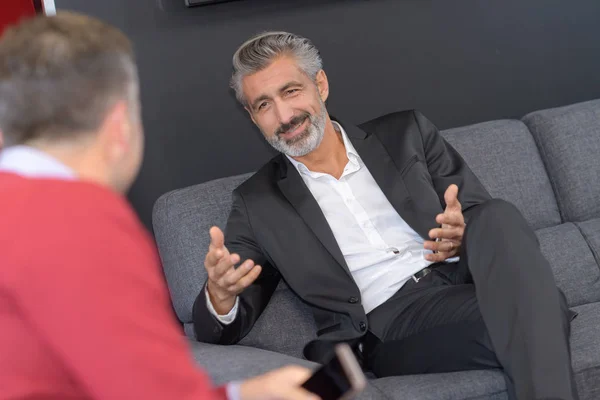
x=30, y=162
x=381, y=250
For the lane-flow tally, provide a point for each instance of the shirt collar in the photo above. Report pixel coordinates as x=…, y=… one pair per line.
x=353, y=157
x=33, y=163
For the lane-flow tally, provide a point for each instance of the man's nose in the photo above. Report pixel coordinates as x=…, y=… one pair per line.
x=285, y=113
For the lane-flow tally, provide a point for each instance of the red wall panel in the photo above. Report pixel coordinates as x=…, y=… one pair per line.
x=11, y=11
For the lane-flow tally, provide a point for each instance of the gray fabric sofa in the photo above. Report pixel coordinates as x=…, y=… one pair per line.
x=547, y=164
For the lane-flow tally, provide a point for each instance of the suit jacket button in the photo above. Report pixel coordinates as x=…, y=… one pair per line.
x=353, y=300
x=362, y=326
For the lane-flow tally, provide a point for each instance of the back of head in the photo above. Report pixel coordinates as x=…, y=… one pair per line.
x=60, y=76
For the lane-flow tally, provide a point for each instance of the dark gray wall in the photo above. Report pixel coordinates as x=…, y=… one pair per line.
x=459, y=62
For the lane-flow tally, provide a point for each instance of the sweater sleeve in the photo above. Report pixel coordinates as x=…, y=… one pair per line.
x=94, y=293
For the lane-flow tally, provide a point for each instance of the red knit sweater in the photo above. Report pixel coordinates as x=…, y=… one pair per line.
x=84, y=310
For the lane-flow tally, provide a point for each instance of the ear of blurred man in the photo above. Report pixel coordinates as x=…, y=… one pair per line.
x=120, y=139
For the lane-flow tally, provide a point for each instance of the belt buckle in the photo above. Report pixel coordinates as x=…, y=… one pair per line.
x=424, y=272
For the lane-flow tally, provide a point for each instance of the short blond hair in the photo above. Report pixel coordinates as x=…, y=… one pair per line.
x=59, y=76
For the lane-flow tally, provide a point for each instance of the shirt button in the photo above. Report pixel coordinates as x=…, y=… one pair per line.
x=353, y=300
x=394, y=250
x=362, y=325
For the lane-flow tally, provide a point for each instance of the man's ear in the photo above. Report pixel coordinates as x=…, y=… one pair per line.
x=322, y=85
x=116, y=130
x=251, y=115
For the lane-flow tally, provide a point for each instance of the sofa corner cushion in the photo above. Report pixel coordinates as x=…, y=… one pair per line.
x=569, y=142
x=585, y=350
x=572, y=261
x=181, y=220
x=591, y=233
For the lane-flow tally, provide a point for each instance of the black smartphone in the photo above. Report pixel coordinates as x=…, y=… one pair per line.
x=339, y=379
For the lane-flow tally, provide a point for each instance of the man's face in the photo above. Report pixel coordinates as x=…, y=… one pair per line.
x=288, y=106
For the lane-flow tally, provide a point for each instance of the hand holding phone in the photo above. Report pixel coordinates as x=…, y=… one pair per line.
x=339, y=379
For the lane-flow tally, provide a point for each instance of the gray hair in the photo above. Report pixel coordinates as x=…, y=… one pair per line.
x=260, y=51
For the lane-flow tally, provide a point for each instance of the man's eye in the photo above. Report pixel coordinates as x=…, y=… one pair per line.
x=292, y=91
x=262, y=105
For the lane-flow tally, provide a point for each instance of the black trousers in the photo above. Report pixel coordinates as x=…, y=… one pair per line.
x=498, y=307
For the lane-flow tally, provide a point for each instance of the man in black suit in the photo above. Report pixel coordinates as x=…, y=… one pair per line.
x=386, y=233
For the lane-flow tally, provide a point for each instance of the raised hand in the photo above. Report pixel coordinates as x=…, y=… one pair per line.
x=225, y=281
x=447, y=239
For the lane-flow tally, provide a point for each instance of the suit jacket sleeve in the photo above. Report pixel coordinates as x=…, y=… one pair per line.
x=447, y=167
x=240, y=239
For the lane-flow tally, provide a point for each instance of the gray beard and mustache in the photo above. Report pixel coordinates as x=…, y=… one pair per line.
x=305, y=142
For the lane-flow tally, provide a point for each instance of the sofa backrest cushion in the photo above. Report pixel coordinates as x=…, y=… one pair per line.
x=504, y=157
x=569, y=142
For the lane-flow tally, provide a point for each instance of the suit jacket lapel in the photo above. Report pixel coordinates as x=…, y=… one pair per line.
x=295, y=190
x=384, y=171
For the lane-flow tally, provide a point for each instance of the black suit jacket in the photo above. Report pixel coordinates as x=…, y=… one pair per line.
x=276, y=222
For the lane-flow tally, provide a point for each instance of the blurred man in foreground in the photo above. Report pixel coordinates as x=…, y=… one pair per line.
x=83, y=307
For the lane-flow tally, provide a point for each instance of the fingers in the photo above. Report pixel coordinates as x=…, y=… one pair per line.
x=217, y=271
x=217, y=239
x=282, y=384
x=246, y=280
x=454, y=232
x=232, y=276
x=249, y=278
x=214, y=256
x=445, y=246
x=451, y=198
x=291, y=378
x=451, y=218
x=439, y=257
x=295, y=374
x=226, y=263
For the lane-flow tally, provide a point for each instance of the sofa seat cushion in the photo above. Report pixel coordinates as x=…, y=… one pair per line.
x=230, y=363
x=471, y=385
x=234, y=363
